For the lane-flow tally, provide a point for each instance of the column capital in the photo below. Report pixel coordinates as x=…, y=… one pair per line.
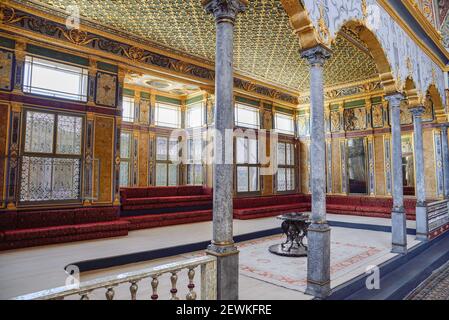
x=394, y=99
x=224, y=10
x=317, y=55
x=417, y=111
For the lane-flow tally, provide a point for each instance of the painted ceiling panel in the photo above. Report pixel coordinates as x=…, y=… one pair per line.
x=265, y=47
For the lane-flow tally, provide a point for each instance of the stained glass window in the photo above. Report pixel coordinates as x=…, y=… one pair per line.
x=286, y=167
x=51, y=171
x=247, y=164
x=54, y=79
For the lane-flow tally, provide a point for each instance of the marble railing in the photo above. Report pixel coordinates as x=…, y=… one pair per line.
x=208, y=280
x=438, y=214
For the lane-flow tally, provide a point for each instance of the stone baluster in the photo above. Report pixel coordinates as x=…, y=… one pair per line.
x=154, y=284
x=192, y=294
x=133, y=289
x=318, y=262
x=222, y=246
x=84, y=296
x=422, y=223
x=399, y=226
x=445, y=151
x=110, y=293
x=174, y=280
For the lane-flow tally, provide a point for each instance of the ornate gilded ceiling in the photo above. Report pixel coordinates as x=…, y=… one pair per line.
x=265, y=48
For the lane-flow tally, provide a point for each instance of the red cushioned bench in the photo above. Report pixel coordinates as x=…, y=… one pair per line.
x=367, y=206
x=28, y=228
x=148, y=198
x=167, y=219
x=268, y=206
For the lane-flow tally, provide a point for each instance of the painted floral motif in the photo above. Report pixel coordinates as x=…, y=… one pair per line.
x=106, y=89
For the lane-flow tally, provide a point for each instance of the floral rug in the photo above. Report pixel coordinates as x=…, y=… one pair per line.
x=258, y=263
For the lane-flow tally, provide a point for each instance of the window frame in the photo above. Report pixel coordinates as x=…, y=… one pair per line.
x=200, y=104
x=128, y=160
x=238, y=105
x=248, y=166
x=27, y=88
x=287, y=166
x=281, y=131
x=133, y=109
x=167, y=162
x=52, y=155
x=164, y=124
x=191, y=162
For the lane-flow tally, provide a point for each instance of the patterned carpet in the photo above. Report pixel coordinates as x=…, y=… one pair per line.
x=436, y=287
x=258, y=263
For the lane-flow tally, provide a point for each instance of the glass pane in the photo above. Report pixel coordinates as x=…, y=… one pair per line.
x=290, y=179
x=252, y=150
x=125, y=144
x=357, y=166
x=124, y=174
x=197, y=150
x=241, y=146
x=161, y=174
x=242, y=179
x=247, y=116
x=288, y=154
x=35, y=182
x=281, y=154
x=69, y=135
x=55, y=79
x=195, y=117
x=190, y=174
x=66, y=179
x=128, y=109
x=173, y=150
x=172, y=174
x=408, y=170
x=39, y=132
x=198, y=174
x=168, y=116
x=281, y=181
x=161, y=148
x=253, y=179
x=284, y=123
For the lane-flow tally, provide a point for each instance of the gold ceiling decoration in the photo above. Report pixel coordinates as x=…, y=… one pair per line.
x=265, y=47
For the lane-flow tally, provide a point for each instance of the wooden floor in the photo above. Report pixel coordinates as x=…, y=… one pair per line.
x=32, y=269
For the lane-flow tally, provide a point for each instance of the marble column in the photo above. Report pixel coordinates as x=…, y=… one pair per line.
x=445, y=151
x=318, y=260
x=422, y=224
x=398, y=218
x=222, y=246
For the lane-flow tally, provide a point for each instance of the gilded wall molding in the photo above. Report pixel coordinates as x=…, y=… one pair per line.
x=17, y=20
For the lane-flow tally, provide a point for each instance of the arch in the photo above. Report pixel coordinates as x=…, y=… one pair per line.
x=301, y=24
x=411, y=93
x=437, y=102
x=377, y=52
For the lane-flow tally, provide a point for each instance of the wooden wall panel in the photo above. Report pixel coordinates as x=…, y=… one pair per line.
x=304, y=167
x=379, y=165
x=104, y=152
x=4, y=120
x=143, y=159
x=429, y=164
x=336, y=166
